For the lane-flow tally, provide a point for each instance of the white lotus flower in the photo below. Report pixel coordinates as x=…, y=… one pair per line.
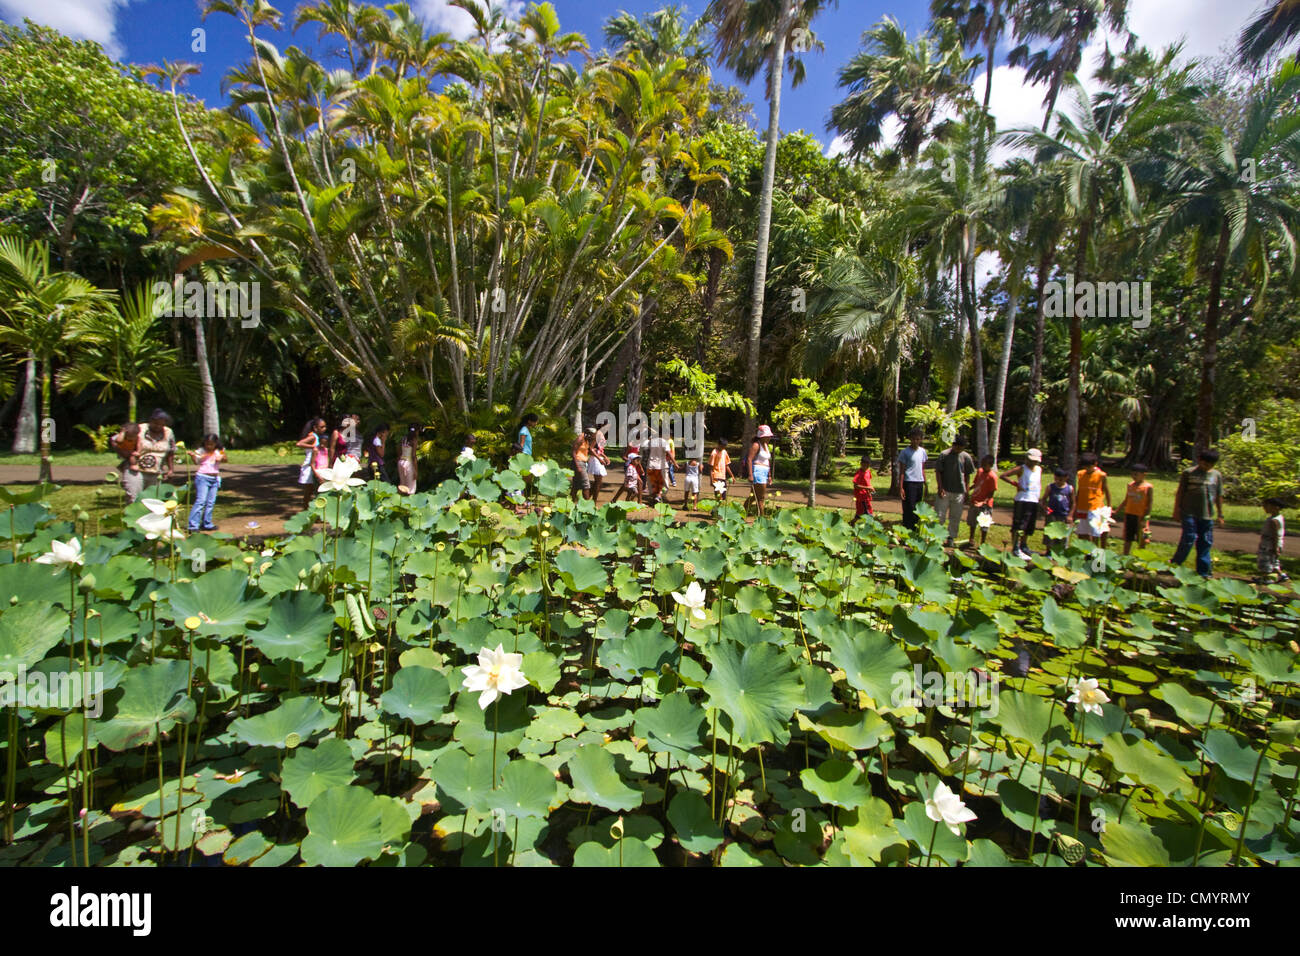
x=158, y=525
x=339, y=478
x=719, y=487
x=62, y=555
x=693, y=600
x=495, y=675
x=1087, y=695
x=984, y=520
x=1100, y=520
x=159, y=507
x=466, y=454
x=538, y=469
x=946, y=807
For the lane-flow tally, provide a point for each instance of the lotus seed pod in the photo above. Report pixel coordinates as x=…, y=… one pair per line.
x=616, y=831
x=153, y=597
x=689, y=569
x=192, y=623
x=249, y=559
x=440, y=546
x=87, y=585
x=291, y=741
x=13, y=599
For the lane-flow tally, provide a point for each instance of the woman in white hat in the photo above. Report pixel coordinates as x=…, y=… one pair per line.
x=760, y=466
x=1028, y=479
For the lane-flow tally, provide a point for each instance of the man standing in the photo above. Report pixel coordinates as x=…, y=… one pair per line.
x=656, y=454
x=1198, y=499
x=953, y=479
x=911, y=464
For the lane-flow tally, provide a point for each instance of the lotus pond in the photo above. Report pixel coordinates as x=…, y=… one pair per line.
x=451, y=679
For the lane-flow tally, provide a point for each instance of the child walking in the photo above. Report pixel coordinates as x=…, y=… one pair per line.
x=863, y=490
x=313, y=439
x=691, y=477
x=1271, y=541
x=1092, y=493
x=1138, y=498
x=633, y=480
x=206, y=482
x=1058, y=505
x=983, y=489
x=720, y=469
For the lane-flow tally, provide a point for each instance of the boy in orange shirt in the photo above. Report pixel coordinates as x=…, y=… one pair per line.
x=982, y=490
x=1138, y=499
x=863, y=490
x=720, y=469
x=1091, y=494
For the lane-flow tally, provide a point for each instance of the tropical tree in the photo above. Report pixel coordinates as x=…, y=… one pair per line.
x=1234, y=194
x=749, y=36
x=1276, y=26
x=813, y=412
x=981, y=23
x=121, y=348
x=37, y=304
x=912, y=81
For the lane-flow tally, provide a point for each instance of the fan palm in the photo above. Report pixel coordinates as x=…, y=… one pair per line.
x=1275, y=27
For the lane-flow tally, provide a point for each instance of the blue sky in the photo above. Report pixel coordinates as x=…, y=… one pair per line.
x=149, y=31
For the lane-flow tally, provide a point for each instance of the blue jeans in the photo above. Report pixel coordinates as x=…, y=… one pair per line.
x=1199, y=531
x=205, y=498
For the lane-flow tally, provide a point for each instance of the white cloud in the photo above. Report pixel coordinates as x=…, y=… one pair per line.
x=444, y=17
x=82, y=19
x=838, y=147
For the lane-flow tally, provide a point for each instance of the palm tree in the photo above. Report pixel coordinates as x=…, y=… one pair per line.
x=660, y=36
x=1275, y=27
x=980, y=24
x=121, y=349
x=1066, y=26
x=750, y=35
x=37, y=305
x=1094, y=152
x=1235, y=195
x=893, y=76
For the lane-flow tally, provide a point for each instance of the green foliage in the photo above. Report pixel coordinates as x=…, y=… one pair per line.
x=936, y=419
x=1259, y=461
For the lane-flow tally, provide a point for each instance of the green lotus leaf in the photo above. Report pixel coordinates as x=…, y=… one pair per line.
x=550, y=724
x=344, y=828
x=675, y=725
x=418, y=694
x=871, y=662
x=1192, y=710
x=838, y=783
x=869, y=831
x=464, y=779
x=474, y=724
x=696, y=830
x=219, y=598
x=542, y=669
x=153, y=700
x=28, y=632
x=1026, y=717
x=1065, y=626
x=1233, y=755
x=310, y=771
x=1018, y=803
x=595, y=774
x=1147, y=764
x=527, y=789
x=297, y=629
x=625, y=852
x=849, y=730
x=756, y=687
x=302, y=716
x=644, y=649
x=285, y=572
x=581, y=573
x=1133, y=844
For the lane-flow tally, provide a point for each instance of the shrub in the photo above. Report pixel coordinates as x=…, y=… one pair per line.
x=1262, y=460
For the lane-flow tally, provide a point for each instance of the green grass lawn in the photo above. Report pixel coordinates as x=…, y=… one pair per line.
x=264, y=455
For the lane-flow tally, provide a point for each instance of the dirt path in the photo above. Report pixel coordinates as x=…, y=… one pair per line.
x=269, y=495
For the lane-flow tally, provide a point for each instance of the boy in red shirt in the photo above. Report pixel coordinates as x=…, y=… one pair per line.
x=863, y=490
x=982, y=489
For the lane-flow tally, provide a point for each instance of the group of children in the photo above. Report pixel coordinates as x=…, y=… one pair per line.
x=647, y=477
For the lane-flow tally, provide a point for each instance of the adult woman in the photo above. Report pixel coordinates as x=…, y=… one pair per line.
x=313, y=440
x=597, y=462
x=524, y=435
x=376, y=449
x=760, y=467
x=406, y=469
x=156, y=450
x=338, y=443
x=352, y=435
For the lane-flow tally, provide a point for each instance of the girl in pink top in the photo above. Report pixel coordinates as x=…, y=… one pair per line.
x=206, y=482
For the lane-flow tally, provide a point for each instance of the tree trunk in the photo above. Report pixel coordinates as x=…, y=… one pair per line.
x=1070, y=441
x=1210, y=345
x=47, y=423
x=131, y=405
x=954, y=388
x=25, y=431
x=755, y=336
x=977, y=346
x=812, y=469
x=716, y=261
x=889, y=430
x=582, y=389
x=211, y=420
x=1004, y=365
x=1034, y=424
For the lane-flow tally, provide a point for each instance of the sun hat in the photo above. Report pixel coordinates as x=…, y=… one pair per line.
x=1034, y=454
x=632, y=455
x=763, y=432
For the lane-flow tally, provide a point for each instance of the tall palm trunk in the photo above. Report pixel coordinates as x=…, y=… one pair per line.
x=977, y=345
x=1070, y=441
x=954, y=390
x=1004, y=364
x=765, y=218
x=25, y=432
x=47, y=423
x=812, y=469
x=211, y=420
x=889, y=428
x=1210, y=345
x=1034, y=423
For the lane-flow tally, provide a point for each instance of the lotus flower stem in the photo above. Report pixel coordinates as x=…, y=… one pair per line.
x=929, y=853
x=1250, y=802
x=11, y=774
x=180, y=785
x=713, y=766
x=1290, y=804
x=1042, y=777
x=67, y=789
x=162, y=842
x=1208, y=802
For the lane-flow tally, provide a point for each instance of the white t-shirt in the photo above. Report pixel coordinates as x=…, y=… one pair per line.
x=656, y=454
x=913, y=463
x=1031, y=484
